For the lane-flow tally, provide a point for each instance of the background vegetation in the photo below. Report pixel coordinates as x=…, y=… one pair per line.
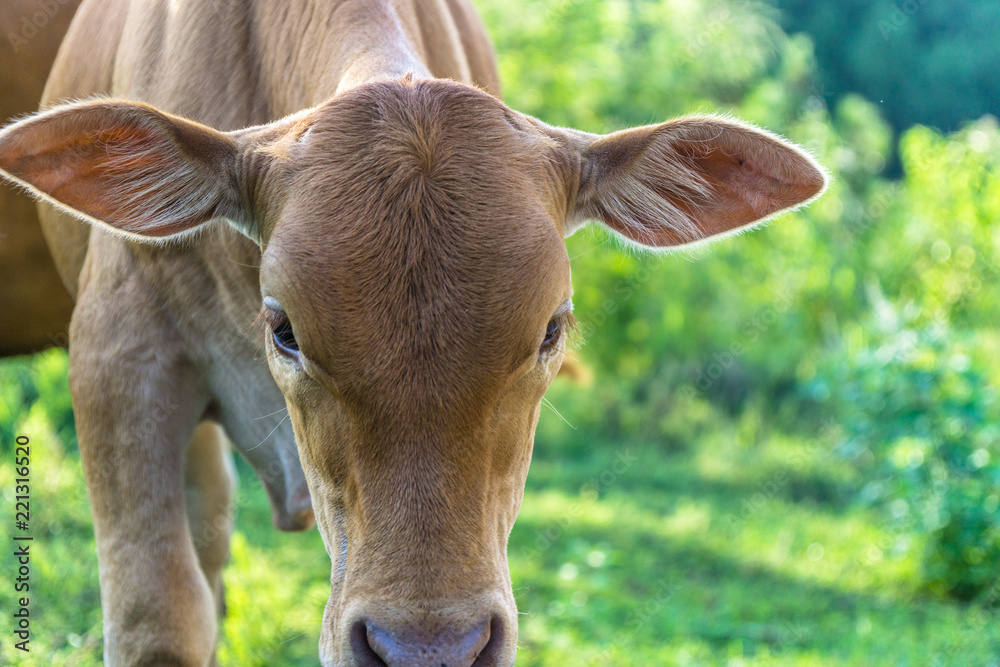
x=789, y=453
x=922, y=61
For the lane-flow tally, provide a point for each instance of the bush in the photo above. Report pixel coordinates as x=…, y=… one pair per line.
x=798, y=309
x=921, y=422
x=40, y=382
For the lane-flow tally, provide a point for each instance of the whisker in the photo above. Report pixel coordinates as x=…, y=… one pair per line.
x=591, y=249
x=301, y=634
x=249, y=266
x=269, y=434
x=551, y=407
x=285, y=409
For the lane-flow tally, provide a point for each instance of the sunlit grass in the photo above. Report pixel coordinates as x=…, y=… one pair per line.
x=622, y=555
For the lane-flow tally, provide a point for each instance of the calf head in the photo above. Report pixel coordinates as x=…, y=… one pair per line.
x=415, y=291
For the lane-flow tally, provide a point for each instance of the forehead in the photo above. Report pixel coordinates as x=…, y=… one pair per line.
x=420, y=226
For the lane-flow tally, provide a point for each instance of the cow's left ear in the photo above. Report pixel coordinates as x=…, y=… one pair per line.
x=141, y=172
x=687, y=180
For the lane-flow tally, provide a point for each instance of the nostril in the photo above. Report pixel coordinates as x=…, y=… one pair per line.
x=489, y=655
x=375, y=646
x=364, y=654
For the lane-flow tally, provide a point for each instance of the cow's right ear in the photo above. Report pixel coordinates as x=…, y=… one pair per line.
x=688, y=180
x=141, y=172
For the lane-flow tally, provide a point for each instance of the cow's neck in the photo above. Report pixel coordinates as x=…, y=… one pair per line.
x=386, y=42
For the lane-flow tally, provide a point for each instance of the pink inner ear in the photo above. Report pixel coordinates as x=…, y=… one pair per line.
x=78, y=171
x=695, y=178
x=126, y=165
x=753, y=178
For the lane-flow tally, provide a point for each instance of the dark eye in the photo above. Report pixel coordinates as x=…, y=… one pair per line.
x=281, y=328
x=552, y=333
x=284, y=338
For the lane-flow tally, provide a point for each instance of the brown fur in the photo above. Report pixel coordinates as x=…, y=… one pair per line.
x=406, y=226
x=35, y=306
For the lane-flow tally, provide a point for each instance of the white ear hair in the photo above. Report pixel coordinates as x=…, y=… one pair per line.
x=127, y=167
x=696, y=178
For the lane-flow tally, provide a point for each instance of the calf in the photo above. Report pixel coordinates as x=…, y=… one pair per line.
x=397, y=238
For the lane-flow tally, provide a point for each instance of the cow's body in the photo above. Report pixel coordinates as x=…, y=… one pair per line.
x=231, y=65
x=400, y=234
x=228, y=65
x=32, y=298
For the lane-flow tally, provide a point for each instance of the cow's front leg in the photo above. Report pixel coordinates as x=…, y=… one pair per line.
x=210, y=480
x=137, y=403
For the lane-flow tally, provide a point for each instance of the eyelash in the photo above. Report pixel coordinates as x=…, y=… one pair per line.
x=555, y=331
x=281, y=331
x=283, y=336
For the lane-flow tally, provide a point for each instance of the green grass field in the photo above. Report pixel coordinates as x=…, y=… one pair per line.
x=790, y=453
x=741, y=549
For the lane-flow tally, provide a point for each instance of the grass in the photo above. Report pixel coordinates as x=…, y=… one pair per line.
x=740, y=549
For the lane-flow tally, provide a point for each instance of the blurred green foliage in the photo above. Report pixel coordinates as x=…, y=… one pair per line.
x=808, y=412
x=912, y=379
x=936, y=63
x=921, y=425
x=785, y=318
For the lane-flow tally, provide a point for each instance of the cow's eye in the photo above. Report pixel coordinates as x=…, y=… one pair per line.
x=284, y=337
x=281, y=328
x=552, y=334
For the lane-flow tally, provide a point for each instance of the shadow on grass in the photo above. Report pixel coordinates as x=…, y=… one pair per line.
x=613, y=570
